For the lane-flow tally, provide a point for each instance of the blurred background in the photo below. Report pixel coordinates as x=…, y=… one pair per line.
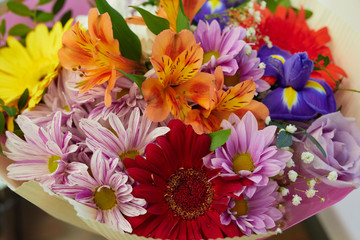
x=21, y=220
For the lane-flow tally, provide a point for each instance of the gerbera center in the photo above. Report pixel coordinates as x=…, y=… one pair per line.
x=105, y=197
x=129, y=154
x=243, y=161
x=189, y=193
x=241, y=207
x=209, y=54
x=53, y=163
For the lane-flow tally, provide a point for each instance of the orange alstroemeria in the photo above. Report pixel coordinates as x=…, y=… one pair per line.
x=95, y=54
x=176, y=59
x=222, y=104
x=169, y=9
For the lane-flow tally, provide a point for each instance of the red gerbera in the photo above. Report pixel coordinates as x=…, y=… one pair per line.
x=289, y=31
x=184, y=198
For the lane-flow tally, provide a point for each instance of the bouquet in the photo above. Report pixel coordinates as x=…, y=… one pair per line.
x=174, y=119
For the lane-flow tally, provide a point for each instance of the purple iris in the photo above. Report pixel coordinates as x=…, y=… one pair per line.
x=297, y=97
x=216, y=8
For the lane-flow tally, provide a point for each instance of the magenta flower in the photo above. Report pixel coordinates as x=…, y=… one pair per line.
x=44, y=153
x=107, y=191
x=220, y=47
x=121, y=142
x=256, y=213
x=248, y=152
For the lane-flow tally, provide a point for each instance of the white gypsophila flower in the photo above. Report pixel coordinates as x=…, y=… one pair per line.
x=310, y=192
x=250, y=32
x=307, y=157
x=262, y=65
x=257, y=17
x=292, y=175
x=263, y=5
x=278, y=231
x=267, y=119
x=291, y=128
x=284, y=191
x=247, y=49
x=281, y=172
x=296, y=200
x=311, y=183
x=290, y=163
x=332, y=176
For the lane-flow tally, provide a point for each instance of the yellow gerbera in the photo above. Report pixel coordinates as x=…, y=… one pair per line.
x=32, y=67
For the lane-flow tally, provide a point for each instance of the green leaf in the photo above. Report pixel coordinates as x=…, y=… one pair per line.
x=130, y=46
x=154, y=23
x=65, y=17
x=1, y=102
x=317, y=144
x=23, y=99
x=2, y=122
x=283, y=139
x=1, y=151
x=43, y=2
x=273, y=4
x=11, y=111
x=182, y=21
x=316, y=69
x=308, y=13
x=19, y=30
x=44, y=16
x=138, y=79
x=3, y=27
x=322, y=58
x=58, y=6
x=19, y=8
x=218, y=138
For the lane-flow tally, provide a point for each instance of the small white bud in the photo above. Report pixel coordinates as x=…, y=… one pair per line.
x=332, y=176
x=262, y=65
x=307, y=157
x=296, y=200
x=286, y=149
x=263, y=5
x=292, y=175
x=281, y=172
x=310, y=192
x=281, y=130
x=247, y=49
x=290, y=163
x=278, y=231
x=322, y=199
x=250, y=32
x=268, y=118
x=291, y=128
x=257, y=17
x=284, y=191
x=311, y=183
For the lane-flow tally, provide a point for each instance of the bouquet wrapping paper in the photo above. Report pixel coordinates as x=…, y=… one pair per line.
x=345, y=47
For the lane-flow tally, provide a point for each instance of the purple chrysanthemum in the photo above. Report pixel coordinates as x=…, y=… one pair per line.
x=121, y=141
x=254, y=214
x=43, y=155
x=249, y=152
x=248, y=63
x=122, y=107
x=106, y=190
x=220, y=47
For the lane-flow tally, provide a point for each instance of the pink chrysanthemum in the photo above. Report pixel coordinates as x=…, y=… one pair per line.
x=120, y=141
x=220, y=47
x=107, y=191
x=43, y=155
x=249, y=152
x=254, y=214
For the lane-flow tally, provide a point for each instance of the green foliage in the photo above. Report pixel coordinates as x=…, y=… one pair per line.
x=154, y=23
x=138, y=79
x=219, y=138
x=182, y=21
x=23, y=99
x=19, y=30
x=130, y=46
x=284, y=139
x=43, y=2
x=58, y=6
x=19, y=8
x=3, y=27
x=2, y=122
x=44, y=16
x=273, y=4
x=10, y=111
x=65, y=17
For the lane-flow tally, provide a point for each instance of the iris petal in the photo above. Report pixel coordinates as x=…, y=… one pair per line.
x=319, y=96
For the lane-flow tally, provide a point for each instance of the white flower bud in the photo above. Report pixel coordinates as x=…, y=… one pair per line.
x=292, y=175
x=311, y=183
x=263, y=5
x=290, y=163
x=268, y=118
x=284, y=191
x=262, y=65
x=247, y=49
x=332, y=176
x=296, y=200
x=307, y=157
x=250, y=32
x=291, y=128
x=310, y=192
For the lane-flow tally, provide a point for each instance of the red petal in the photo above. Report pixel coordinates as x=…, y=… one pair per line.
x=158, y=208
x=209, y=229
x=150, y=193
x=140, y=175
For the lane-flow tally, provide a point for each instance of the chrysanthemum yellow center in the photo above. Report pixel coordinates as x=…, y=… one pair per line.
x=209, y=54
x=243, y=161
x=105, y=198
x=66, y=108
x=241, y=207
x=129, y=154
x=53, y=163
x=122, y=93
x=188, y=193
x=231, y=80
